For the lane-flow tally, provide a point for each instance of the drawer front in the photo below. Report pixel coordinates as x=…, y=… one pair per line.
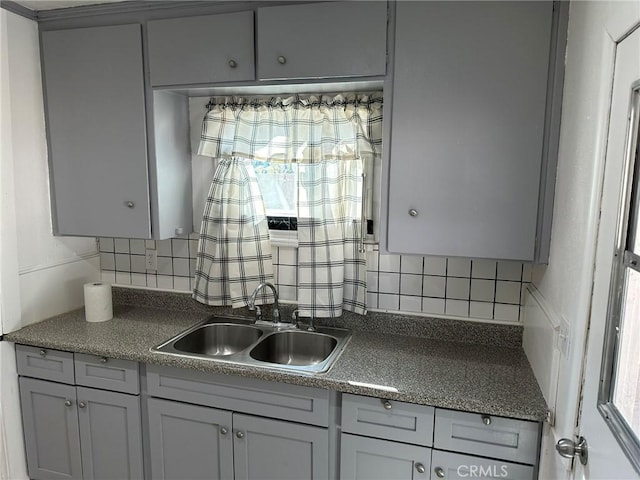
x=453, y=466
x=53, y=365
x=107, y=373
x=276, y=400
x=497, y=437
x=389, y=419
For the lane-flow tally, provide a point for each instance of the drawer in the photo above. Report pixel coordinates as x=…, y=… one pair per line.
x=490, y=436
x=248, y=395
x=389, y=419
x=107, y=373
x=453, y=466
x=37, y=362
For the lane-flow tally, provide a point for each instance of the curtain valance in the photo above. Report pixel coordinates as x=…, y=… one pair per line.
x=297, y=128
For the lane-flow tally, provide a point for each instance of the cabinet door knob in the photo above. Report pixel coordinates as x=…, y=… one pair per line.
x=43, y=353
x=239, y=434
x=486, y=419
x=130, y=204
x=282, y=60
x=224, y=430
x=104, y=360
x=233, y=63
x=82, y=404
x=68, y=403
x=413, y=212
x=439, y=471
x=386, y=404
x=420, y=468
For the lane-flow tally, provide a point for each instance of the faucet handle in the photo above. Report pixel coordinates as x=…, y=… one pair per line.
x=258, y=312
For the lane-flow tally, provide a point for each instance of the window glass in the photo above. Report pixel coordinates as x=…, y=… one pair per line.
x=279, y=186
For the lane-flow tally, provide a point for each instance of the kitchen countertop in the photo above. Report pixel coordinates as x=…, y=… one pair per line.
x=490, y=379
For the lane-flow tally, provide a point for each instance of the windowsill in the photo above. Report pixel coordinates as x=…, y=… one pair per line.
x=284, y=238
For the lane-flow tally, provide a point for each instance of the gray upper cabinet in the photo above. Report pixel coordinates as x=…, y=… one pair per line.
x=201, y=50
x=97, y=138
x=324, y=40
x=469, y=100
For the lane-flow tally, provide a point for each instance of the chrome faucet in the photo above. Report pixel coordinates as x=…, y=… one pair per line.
x=252, y=302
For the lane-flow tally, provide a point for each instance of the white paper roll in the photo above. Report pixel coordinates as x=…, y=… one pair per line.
x=97, y=302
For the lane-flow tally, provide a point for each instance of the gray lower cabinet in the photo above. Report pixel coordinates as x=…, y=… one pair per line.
x=80, y=433
x=455, y=466
x=364, y=458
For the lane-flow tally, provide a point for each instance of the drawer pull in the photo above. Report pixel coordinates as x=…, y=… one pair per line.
x=68, y=403
x=104, y=360
x=386, y=404
x=223, y=430
x=282, y=60
x=240, y=434
x=420, y=468
x=439, y=471
x=486, y=419
x=82, y=404
x=233, y=63
x=43, y=353
x=413, y=212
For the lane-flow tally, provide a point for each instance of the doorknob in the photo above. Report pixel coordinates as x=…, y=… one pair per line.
x=567, y=448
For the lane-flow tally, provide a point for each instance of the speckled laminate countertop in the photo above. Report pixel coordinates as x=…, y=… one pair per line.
x=491, y=379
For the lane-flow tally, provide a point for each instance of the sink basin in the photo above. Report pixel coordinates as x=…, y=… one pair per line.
x=294, y=348
x=218, y=339
x=241, y=341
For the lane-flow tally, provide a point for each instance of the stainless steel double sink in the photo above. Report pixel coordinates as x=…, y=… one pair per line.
x=241, y=341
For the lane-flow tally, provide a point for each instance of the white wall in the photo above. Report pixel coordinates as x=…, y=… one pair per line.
x=566, y=283
x=42, y=275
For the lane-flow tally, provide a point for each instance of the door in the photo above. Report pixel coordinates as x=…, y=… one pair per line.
x=110, y=434
x=267, y=449
x=364, y=458
x=189, y=442
x=606, y=458
x=50, y=421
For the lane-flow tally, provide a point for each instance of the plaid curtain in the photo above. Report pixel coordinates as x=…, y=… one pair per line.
x=234, y=252
x=333, y=140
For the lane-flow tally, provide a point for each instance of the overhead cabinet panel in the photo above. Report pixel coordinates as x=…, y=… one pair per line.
x=94, y=91
x=201, y=50
x=467, y=128
x=324, y=40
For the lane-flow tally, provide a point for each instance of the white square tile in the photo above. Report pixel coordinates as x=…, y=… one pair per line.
x=411, y=264
x=139, y=279
x=193, y=248
x=108, y=277
x=150, y=244
x=510, y=271
x=459, y=308
x=152, y=280
x=527, y=272
x=192, y=267
x=165, y=266
x=180, y=247
x=389, y=263
x=482, y=290
x=523, y=292
x=163, y=247
x=181, y=267
x=106, y=244
x=481, y=310
x=483, y=269
x=457, y=288
x=372, y=281
x=194, y=235
x=107, y=261
x=410, y=284
x=372, y=260
x=138, y=264
x=181, y=284
x=458, y=267
x=389, y=282
x=435, y=266
x=123, y=262
x=433, y=305
x=287, y=275
x=521, y=315
x=507, y=313
x=165, y=281
x=372, y=300
x=137, y=246
x=121, y=245
x=388, y=302
x=508, y=292
x=288, y=292
x=433, y=286
x=410, y=304
x=123, y=278
x=288, y=256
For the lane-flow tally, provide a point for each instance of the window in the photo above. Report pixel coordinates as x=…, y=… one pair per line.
x=619, y=399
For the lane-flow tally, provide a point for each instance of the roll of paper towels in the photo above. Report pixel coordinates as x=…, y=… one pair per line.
x=97, y=302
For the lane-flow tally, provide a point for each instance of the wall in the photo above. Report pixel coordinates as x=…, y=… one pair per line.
x=453, y=287
x=41, y=275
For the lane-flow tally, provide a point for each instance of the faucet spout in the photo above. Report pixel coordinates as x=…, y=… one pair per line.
x=276, y=309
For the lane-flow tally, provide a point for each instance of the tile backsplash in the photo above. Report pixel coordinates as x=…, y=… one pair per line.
x=460, y=287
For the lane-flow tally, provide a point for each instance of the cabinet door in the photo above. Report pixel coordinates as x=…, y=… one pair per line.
x=95, y=112
x=189, y=442
x=204, y=49
x=455, y=466
x=50, y=421
x=469, y=95
x=334, y=39
x=110, y=434
x=276, y=450
x=364, y=458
